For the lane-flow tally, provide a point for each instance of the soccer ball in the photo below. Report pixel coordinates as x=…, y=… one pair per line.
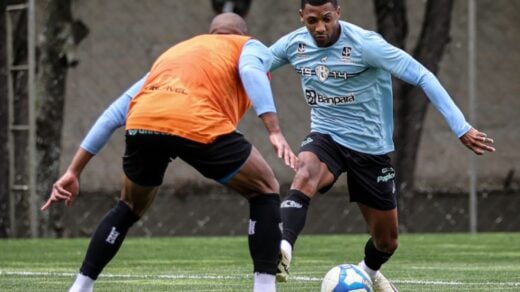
x=346, y=277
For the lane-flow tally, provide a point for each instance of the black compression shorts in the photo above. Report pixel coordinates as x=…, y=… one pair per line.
x=147, y=155
x=370, y=178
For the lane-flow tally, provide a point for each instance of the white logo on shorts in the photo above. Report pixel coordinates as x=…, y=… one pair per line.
x=251, y=230
x=306, y=141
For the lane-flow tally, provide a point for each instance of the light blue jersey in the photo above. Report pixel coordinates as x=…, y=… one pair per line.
x=348, y=86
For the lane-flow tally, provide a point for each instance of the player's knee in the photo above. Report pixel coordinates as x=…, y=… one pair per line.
x=305, y=182
x=264, y=185
x=270, y=185
x=388, y=245
x=274, y=186
x=303, y=174
x=267, y=183
x=139, y=207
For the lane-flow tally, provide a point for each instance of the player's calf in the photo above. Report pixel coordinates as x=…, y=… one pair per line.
x=264, y=232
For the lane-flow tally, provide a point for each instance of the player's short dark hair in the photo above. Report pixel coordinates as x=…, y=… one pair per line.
x=319, y=2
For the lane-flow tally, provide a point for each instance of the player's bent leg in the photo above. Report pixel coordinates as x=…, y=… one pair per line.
x=383, y=226
x=111, y=231
x=293, y=213
x=311, y=176
x=264, y=232
x=256, y=182
x=139, y=198
x=254, y=177
x=381, y=246
x=264, y=237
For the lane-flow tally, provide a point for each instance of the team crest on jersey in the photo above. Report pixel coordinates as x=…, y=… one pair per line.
x=346, y=53
x=322, y=72
x=301, y=48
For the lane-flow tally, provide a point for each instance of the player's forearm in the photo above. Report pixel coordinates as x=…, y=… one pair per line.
x=271, y=123
x=417, y=74
x=440, y=98
x=80, y=160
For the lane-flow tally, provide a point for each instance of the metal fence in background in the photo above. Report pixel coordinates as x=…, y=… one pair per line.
x=125, y=37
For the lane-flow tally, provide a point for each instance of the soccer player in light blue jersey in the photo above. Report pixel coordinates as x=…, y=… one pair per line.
x=345, y=76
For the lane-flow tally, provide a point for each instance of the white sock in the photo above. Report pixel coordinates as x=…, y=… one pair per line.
x=82, y=284
x=369, y=271
x=287, y=248
x=264, y=283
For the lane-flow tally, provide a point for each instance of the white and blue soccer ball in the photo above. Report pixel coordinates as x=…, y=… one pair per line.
x=346, y=277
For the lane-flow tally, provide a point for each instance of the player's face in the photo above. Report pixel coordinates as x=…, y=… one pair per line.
x=322, y=23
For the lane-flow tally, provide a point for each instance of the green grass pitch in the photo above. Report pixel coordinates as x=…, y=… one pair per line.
x=423, y=262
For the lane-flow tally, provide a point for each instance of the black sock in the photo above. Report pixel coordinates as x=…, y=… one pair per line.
x=107, y=239
x=264, y=232
x=294, y=212
x=375, y=258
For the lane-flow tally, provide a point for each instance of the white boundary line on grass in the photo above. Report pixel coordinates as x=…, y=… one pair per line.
x=210, y=277
x=126, y=276
x=428, y=282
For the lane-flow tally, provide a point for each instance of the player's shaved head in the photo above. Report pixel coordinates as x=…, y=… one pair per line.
x=228, y=23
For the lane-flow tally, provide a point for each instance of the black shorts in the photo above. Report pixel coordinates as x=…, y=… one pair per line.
x=147, y=155
x=370, y=178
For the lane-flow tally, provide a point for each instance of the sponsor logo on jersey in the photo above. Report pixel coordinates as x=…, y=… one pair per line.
x=301, y=48
x=324, y=59
x=133, y=132
x=346, y=52
x=314, y=98
x=300, y=51
x=323, y=73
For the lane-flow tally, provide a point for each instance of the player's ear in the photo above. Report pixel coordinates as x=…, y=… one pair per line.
x=301, y=15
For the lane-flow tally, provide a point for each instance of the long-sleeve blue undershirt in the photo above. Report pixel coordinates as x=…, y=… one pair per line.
x=348, y=86
x=111, y=119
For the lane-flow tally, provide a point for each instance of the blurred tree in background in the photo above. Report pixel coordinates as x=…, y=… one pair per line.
x=57, y=53
x=410, y=102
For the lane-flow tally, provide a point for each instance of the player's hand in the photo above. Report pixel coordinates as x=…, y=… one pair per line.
x=283, y=150
x=477, y=142
x=64, y=189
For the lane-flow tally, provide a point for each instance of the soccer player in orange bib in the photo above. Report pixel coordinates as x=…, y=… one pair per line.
x=189, y=106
